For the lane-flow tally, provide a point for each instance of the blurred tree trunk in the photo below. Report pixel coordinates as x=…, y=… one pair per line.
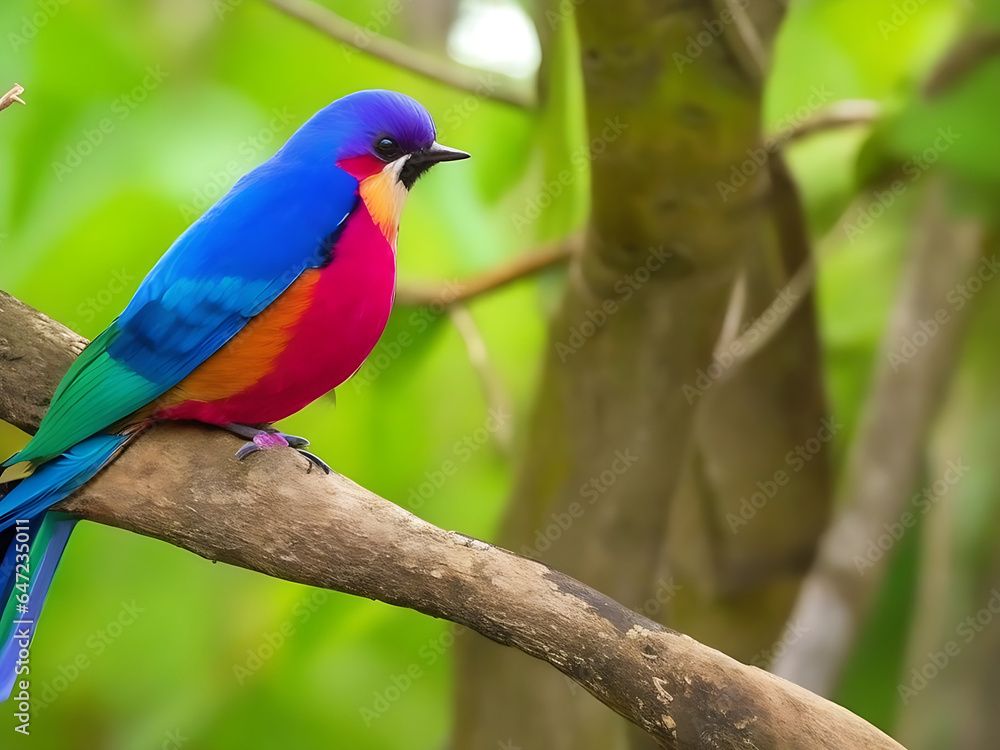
x=956, y=688
x=673, y=103
x=886, y=455
x=761, y=439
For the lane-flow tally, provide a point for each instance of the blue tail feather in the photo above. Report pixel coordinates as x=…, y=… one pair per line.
x=51, y=532
x=25, y=576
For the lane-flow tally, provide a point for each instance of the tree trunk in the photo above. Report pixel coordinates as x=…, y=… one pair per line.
x=615, y=433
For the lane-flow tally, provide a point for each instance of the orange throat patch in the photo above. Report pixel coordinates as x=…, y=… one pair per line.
x=384, y=196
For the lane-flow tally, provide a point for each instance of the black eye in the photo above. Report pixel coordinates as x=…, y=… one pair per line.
x=387, y=149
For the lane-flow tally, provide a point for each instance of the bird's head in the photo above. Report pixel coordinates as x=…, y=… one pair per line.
x=385, y=140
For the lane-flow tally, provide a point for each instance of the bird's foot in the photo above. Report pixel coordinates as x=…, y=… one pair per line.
x=262, y=441
x=266, y=438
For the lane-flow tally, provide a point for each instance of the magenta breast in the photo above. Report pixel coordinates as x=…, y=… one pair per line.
x=348, y=313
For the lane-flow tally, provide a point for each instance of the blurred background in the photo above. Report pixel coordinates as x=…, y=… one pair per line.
x=749, y=333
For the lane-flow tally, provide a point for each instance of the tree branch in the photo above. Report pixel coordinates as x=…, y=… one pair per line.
x=445, y=294
x=492, y=384
x=481, y=83
x=967, y=55
x=884, y=463
x=743, y=40
x=749, y=343
x=14, y=95
x=844, y=113
x=180, y=483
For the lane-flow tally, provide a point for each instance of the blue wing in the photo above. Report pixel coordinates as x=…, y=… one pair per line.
x=227, y=267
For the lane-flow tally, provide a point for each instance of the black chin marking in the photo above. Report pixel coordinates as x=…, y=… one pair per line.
x=411, y=172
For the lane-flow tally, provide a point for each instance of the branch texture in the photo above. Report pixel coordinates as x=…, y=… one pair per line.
x=180, y=483
x=14, y=95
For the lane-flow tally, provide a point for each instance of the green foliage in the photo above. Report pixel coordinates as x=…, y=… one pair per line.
x=141, y=114
x=237, y=79
x=880, y=51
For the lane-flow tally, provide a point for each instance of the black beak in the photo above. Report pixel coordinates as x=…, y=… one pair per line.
x=420, y=161
x=435, y=153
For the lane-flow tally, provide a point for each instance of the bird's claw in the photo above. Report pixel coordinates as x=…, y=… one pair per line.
x=245, y=450
x=265, y=439
x=316, y=460
x=293, y=440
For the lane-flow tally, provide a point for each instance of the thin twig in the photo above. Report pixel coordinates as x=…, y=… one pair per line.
x=14, y=95
x=771, y=321
x=484, y=84
x=840, y=114
x=744, y=41
x=493, y=388
x=753, y=340
x=446, y=294
x=968, y=54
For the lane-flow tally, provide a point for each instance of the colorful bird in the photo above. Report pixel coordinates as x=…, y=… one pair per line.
x=270, y=300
